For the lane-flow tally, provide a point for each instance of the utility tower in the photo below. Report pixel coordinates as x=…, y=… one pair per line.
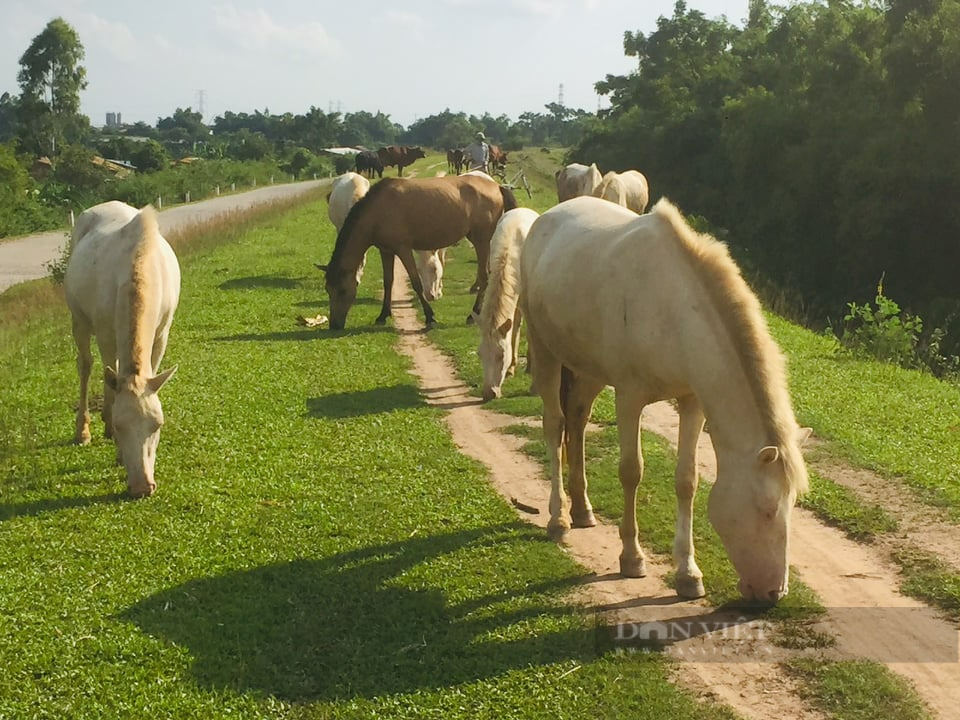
x=201, y=96
x=560, y=96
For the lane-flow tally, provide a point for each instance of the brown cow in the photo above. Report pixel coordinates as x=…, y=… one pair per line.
x=498, y=159
x=400, y=155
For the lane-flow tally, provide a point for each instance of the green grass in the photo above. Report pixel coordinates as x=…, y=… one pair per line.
x=317, y=548
x=855, y=690
x=840, y=506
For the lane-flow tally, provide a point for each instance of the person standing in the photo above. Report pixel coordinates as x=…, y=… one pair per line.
x=478, y=153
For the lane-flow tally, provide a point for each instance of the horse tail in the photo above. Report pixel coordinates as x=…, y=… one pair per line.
x=509, y=199
x=566, y=382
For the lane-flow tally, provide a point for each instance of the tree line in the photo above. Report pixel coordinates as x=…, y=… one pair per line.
x=48, y=147
x=821, y=139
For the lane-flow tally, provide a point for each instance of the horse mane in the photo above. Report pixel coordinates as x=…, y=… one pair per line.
x=503, y=283
x=146, y=226
x=509, y=199
x=763, y=362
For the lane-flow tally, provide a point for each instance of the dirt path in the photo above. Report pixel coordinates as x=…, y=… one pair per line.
x=857, y=583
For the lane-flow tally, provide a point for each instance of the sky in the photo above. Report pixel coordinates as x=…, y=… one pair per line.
x=408, y=59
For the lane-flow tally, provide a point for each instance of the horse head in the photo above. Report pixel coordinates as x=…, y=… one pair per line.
x=137, y=418
x=750, y=507
x=496, y=358
x=342, y=290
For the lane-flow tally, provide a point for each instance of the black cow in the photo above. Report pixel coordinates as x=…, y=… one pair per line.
x=368, y=163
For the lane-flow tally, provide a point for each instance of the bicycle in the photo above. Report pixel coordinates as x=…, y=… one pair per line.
x=501, y=174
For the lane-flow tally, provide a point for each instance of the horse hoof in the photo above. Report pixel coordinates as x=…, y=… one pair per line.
x=633, y=567
x=690, y=587
x=558, y=532
x=82, y=439
x=583, y=520
x=380, y=321
x=471, y=319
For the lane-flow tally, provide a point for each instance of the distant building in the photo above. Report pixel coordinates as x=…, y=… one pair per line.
x=114, y=119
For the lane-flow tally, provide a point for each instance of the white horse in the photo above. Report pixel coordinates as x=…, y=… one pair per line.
x=500, y=313
x=122, y=286
x=628, y=189
x=643, y=303
x=344, y=192
x=576, y=179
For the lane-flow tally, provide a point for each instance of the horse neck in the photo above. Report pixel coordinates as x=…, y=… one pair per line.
x=350, y=251
x=742, y=411
x=137, y=317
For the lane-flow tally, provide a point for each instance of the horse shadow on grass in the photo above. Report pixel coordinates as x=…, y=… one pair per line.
x=33, y=508
x=354, y=626
x=366, y=402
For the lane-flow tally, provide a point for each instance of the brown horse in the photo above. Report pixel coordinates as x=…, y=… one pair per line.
x=400, y=216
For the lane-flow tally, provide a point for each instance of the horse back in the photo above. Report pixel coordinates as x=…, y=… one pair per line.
x=121, y=266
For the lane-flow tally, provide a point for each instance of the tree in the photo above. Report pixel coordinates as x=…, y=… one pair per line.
x=8, y=117
x=51, y=78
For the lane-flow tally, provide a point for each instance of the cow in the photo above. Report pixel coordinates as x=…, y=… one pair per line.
x=576, y=179
x=368, y=163
x=455, y=161
x=498, y=160
x=400, y=155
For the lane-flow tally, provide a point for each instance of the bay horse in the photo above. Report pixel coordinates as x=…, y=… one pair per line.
x=648, y=306
x=500, y=314
x=122, y=286
x=399, y=216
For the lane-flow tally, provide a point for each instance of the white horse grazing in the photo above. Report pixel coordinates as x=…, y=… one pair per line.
x=500, y=313
x=344, y=193
x=430, y=266
x=643, y=303
x=122, y=285
x=628, y=189
x=575, y=180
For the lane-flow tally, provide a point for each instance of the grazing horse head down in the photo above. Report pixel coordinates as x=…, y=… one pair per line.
x=122, y=285
x=430, y=266
x=661, y=312
x=500, y=313
x=401, y=216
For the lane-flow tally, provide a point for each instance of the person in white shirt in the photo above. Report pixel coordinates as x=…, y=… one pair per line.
x=478, y=153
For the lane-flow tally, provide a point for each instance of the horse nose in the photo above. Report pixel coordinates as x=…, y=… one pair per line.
x=141, y=490
x=490, y=394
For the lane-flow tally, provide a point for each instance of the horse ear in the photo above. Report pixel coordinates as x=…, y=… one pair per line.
x=110, y=378
x=155, y=383
x=505, y=327
x=768, y=454
x=803, y=434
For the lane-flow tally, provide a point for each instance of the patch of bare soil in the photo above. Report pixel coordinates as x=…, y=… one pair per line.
x=858, y=584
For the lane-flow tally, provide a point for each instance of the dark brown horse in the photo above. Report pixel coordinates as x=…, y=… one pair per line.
x=400, y=216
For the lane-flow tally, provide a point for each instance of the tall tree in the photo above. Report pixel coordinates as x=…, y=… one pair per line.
x=51, y=77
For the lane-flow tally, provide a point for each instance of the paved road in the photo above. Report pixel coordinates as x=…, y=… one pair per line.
x=25, y=258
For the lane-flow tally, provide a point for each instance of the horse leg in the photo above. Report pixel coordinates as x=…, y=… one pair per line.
x=632, y=560
x=483, y=253
x=689, y=577
x=81, y=336
x=578, y=404
x=547, y=371
x=515, y=342
x=386, y=310
x=410, y=265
